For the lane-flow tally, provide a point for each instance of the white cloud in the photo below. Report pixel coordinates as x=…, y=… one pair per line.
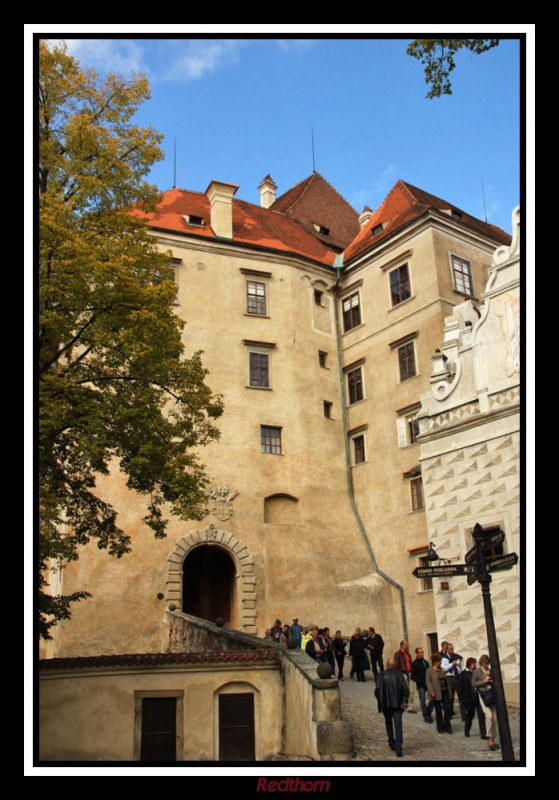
x=375, y=194
x=204, y=56
x=108, y=55
x=295, y=44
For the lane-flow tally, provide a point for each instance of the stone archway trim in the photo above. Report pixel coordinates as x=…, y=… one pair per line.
x=244, y=565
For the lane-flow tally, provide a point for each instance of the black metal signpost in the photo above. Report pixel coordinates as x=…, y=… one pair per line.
x=477, y=568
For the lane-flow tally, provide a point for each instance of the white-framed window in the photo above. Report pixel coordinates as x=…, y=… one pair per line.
x=358, y=446
x=259, y=370
x=256, y=298
x=400, y=289
x=462, y=276
x=407, y=426
x=355, y=389
x=351, y=311
x=270, y=440
x=426, y=584
x=407, y=365
x=417, y=494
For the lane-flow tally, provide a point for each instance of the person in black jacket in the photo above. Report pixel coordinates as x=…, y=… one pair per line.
x=469, y=700
x=375, y=646
x=358, y=655
x=338, y=646
x=419, y=669
x=392, y=696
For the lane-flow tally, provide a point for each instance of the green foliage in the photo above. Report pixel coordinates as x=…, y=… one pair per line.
x=437, y=57
x=114, y=385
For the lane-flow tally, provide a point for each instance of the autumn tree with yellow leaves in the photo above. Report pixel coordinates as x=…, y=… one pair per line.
x=114, y=386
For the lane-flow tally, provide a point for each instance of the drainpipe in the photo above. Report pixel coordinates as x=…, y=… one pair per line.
x=338, y=266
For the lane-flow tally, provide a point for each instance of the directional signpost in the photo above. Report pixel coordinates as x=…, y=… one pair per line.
x=477, y=567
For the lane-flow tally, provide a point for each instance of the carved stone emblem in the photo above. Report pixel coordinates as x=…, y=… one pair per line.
x=221, y=501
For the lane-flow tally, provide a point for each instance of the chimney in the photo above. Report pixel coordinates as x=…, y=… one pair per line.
x=267, y=192
x=220, y=196
x=366, y=215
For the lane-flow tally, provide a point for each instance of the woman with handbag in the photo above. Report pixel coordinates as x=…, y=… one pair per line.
x=482, y=681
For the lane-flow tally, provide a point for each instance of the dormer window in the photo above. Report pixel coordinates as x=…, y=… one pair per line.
x=192, y=219
x=456, y=214
x=321, y=229
x=377, y=229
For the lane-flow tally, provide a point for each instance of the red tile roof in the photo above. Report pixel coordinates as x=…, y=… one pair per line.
x=403, y=204
x=315, y=201
x=154, y=659
x=288, y=225
x=252, y=225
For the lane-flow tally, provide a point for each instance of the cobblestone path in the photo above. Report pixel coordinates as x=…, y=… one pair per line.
x=421, y=740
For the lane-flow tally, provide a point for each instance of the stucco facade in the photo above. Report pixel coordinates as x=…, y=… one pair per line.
x=307, y=530
x=470, y=458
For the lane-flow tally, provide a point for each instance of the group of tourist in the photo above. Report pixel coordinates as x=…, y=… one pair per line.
x=365, y=647
x=437, y=683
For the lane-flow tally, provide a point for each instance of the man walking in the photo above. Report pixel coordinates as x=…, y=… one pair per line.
x=392, y=695
x=419, y=669
x=402, y=660
x=375, y=646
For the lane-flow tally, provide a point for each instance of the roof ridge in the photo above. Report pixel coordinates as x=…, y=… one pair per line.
x=308, y=180
x=320, y=175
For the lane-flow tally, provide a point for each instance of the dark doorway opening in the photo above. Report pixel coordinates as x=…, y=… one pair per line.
x=208, y=585
x=236, y=727
x=159, y=717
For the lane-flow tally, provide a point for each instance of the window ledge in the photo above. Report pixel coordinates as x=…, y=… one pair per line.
x=258, y=316
x=353, y=466
x=417, y=375
x=407, y=446
x=271, y=454
x=417, y=511
x=466, y=296
x=262, y=388
x=356, y=327
x=403, y=303
x=425, y=591
x=357, y=403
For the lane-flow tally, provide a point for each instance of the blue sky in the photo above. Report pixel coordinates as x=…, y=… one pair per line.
x=241, y=108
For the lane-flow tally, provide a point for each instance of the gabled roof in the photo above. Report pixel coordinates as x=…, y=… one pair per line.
x=405, y=203
x=315, y=202
x=252, y=225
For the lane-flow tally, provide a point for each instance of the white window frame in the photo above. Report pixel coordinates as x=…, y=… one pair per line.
x=452, y=256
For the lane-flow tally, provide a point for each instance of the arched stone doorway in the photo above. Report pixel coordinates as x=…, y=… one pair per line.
x=243, y=591
x=209, y=585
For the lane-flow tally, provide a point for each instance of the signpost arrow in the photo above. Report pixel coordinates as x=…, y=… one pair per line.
x=502, y=562
x=444, y=571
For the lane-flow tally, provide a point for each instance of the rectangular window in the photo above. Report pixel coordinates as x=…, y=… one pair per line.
x=259, y=370
x=417, y=498
x=462, y=276
x=400, y=284
x=270, y=439
x=358, y=449
x=322, y=359
x=408, y=429
x=351, y=311
x=256, y=298
x=406, y=361
x=355, y=385
x=318, y=297
x=425, y=583
x=327, y=409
